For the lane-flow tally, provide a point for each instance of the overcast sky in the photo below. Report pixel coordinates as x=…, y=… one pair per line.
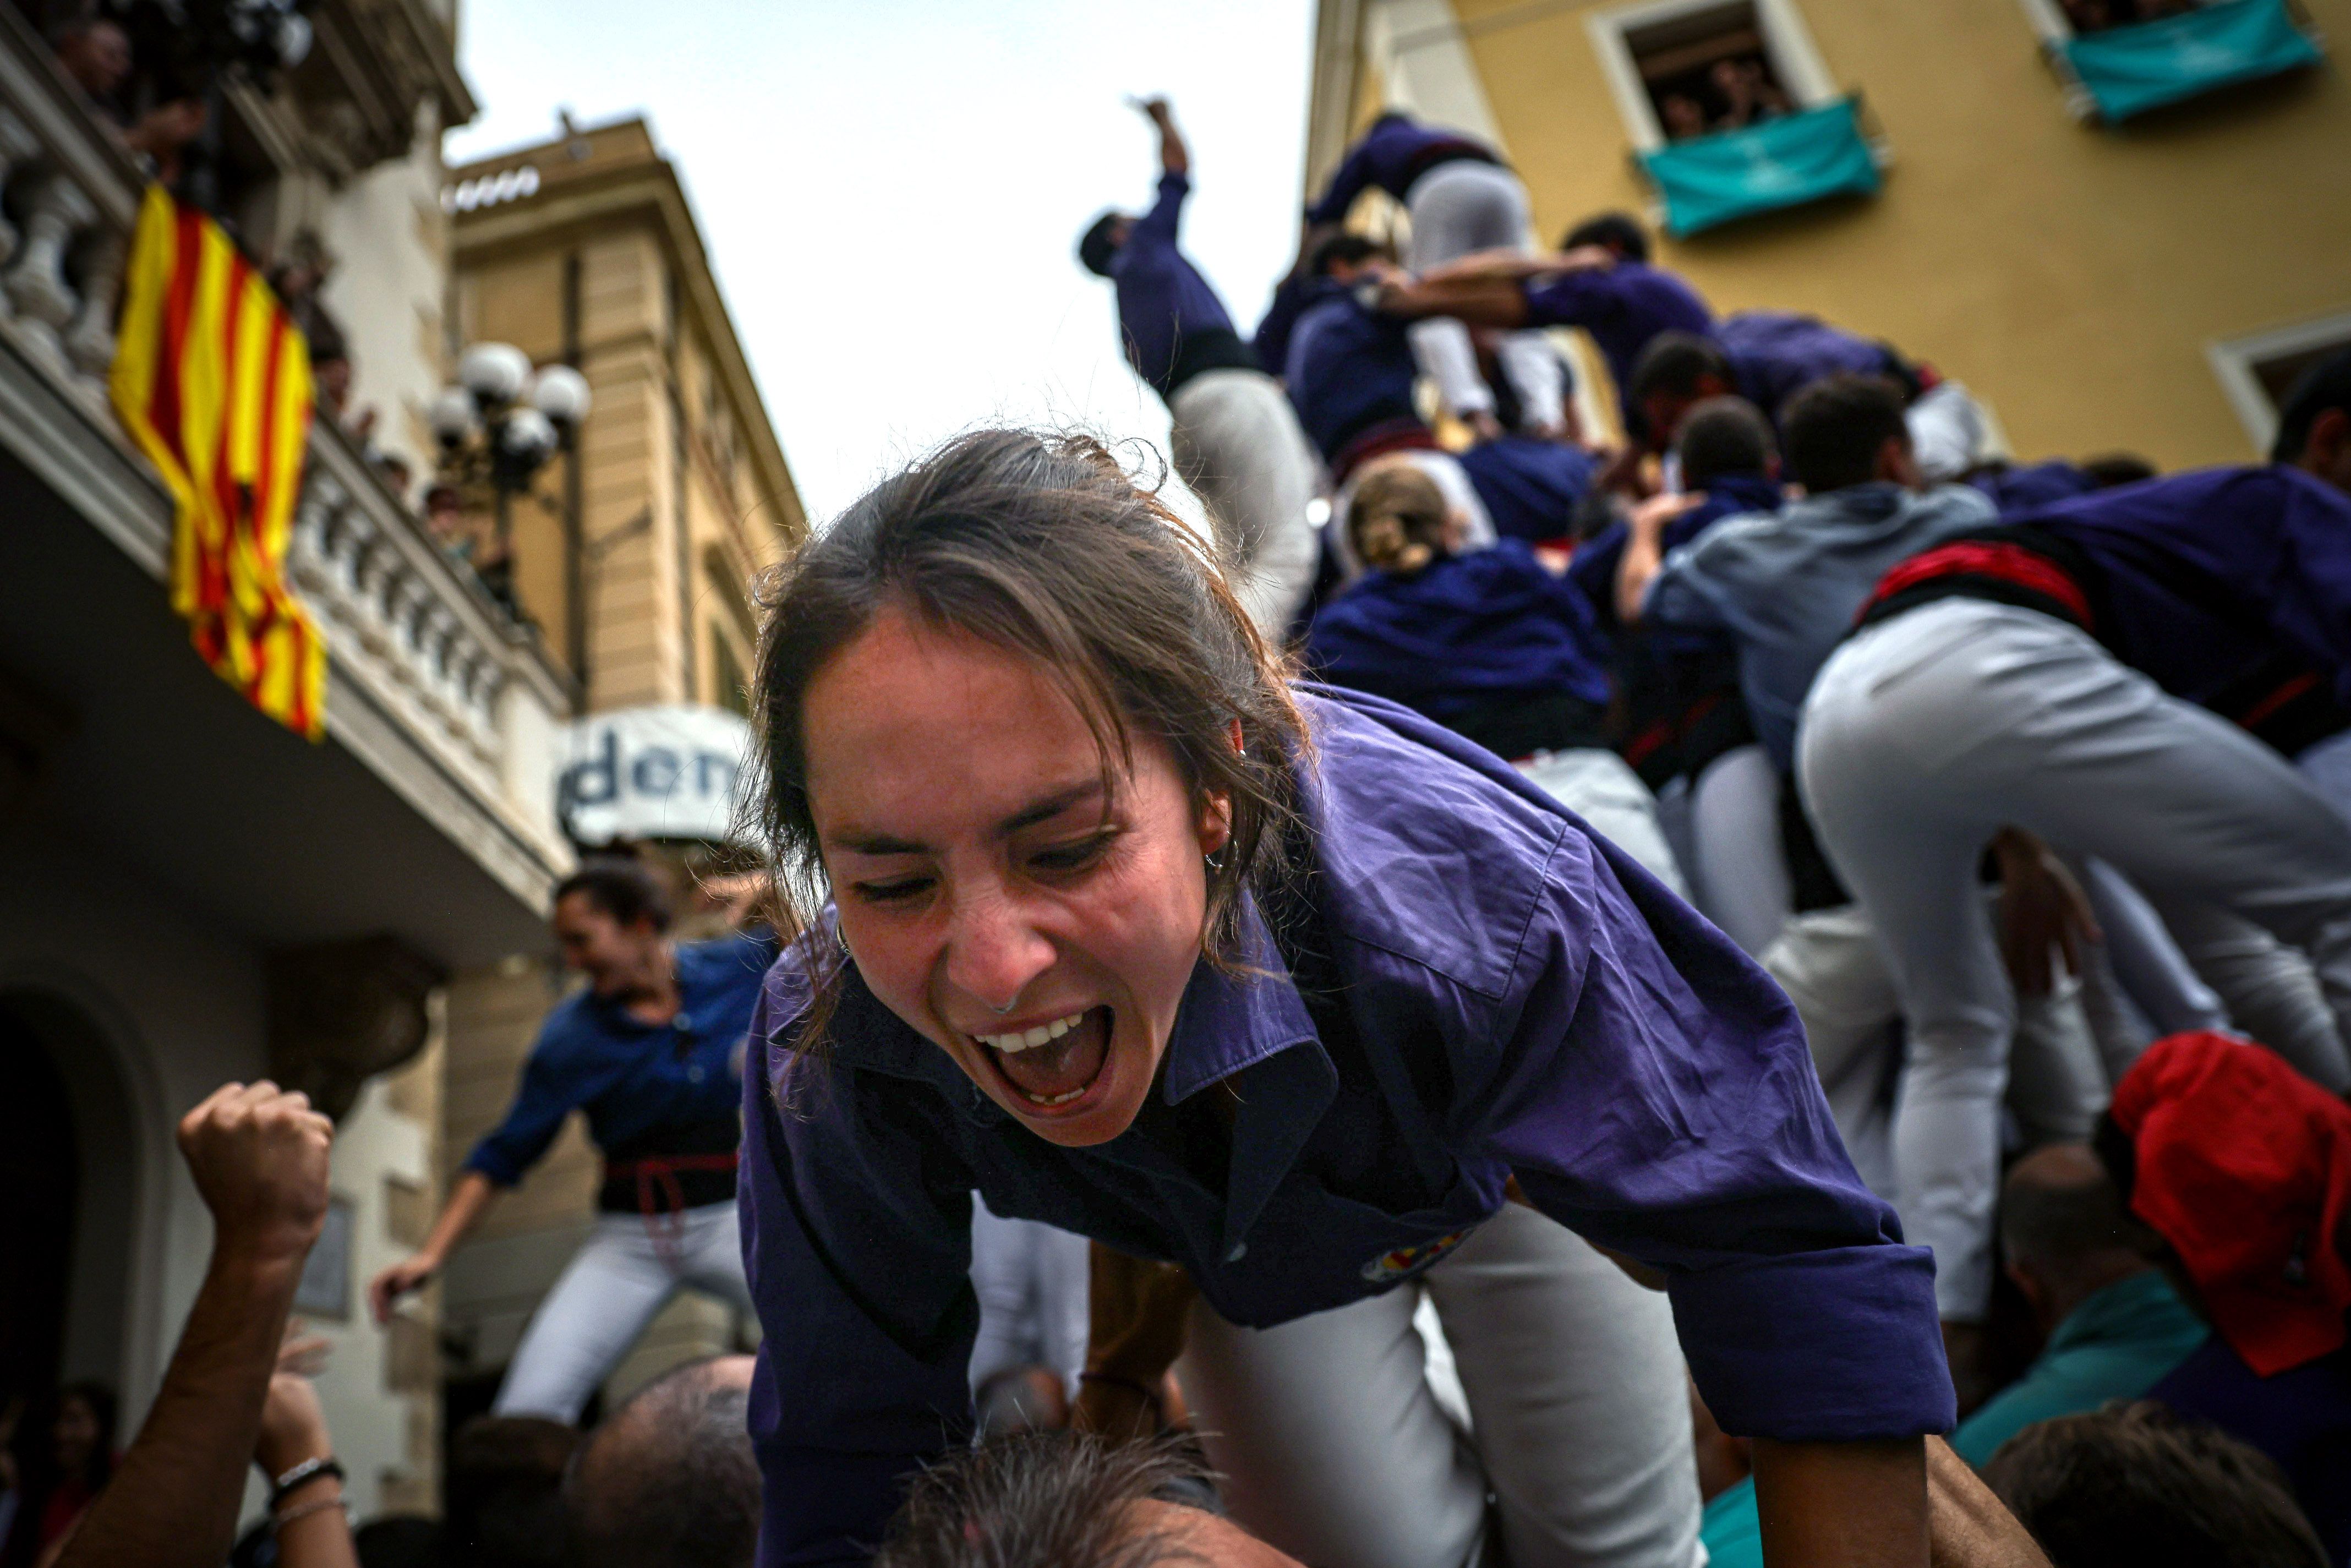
x=892, y=190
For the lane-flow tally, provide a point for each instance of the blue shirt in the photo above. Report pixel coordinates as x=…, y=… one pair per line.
x=1594, y=567
x=1162, y=297
x=2301, y=1417
x=1509, y=994
x=1271, y=341
x=1531, y=486
x=631, y=1077
x=1464, y=629
x=2023, y=487
x=2205, y=576
x=1776, y=353
x=1788, y=586
x=1622, y=306
x=1350, y=370
x=1391, y=155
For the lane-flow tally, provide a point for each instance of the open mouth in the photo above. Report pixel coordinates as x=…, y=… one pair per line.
x=1053, y=1065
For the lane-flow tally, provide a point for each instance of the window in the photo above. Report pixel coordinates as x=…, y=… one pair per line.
x=2257, y=370
x=732, y=692
x=1685, y=68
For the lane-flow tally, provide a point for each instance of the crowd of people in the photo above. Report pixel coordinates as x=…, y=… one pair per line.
x=1772, y=987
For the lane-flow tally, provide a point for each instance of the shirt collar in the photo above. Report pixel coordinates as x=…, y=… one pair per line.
x=2119, y=1310
x=1230, y=1020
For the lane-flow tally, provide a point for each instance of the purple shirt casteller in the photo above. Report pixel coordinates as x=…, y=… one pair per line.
x=1396, y=151
x=1510, y=995
x=1622, y=306
x=1162, y=297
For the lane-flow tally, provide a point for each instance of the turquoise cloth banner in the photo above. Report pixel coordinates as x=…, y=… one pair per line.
x=1782, y=162
x=2129, y=70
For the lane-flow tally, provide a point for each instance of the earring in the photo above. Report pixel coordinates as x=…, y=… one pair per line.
x=1215, y=862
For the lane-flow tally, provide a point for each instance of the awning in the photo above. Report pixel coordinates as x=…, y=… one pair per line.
x=1782, y=162
x=2129, y=70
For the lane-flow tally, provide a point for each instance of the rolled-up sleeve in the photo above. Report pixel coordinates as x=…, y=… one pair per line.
x=1656, y=1094
x=856, y=1238
x=544, y=1098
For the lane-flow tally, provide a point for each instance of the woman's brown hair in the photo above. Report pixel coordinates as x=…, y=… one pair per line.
x=1397, y=519
x=1039, y=544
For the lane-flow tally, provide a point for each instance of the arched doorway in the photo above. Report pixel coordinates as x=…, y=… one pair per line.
x=73, y=1160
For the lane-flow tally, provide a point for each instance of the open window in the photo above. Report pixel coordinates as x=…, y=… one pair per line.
x=2119, y=59
x=1730, y=110
x=2259, y=369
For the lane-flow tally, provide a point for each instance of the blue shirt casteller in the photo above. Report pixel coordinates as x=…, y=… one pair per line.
x=1472, y=628
x=2206, y=577
x=1162, y=297
x=1396, y=151
x=1531, y=488
x=1787, y=587
x=1509, y=994
x=1350, y=370
x=1774, y=354
x=1622, y=306
x=631, y=1077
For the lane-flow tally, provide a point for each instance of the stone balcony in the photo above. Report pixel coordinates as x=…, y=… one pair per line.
x=433, y=686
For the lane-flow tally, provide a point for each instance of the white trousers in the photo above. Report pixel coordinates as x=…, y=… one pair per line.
x=622, y=1276
x=1237, y=443
x=1949, y=431
x=1922, y=738
x=1459, y=209
x=1034, y=1307
x=1738, y=875
x=1336, y=1451
x=1602, y=787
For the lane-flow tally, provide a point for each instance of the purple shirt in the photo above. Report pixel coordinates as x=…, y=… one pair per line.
x=1508, y=994
x=1350, y=370
x=1471, y=628
x=1622, y=306
x=1162, y=297
x=1531, y=488
x=1396, y=151
x=2202, y=580
x=1774, y=354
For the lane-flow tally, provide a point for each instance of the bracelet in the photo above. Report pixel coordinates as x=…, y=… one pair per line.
x=302, y=1475
x=277, y=1522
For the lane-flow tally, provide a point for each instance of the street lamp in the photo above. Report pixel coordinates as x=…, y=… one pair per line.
x=501, y=421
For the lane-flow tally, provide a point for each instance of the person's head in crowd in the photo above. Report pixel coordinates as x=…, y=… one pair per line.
x=1054, y=1499
x=2110, y=470
x=94, y=51
x=2313, y=430
x=400, y=1541
x=1620, y=233
x=81, y=1435
x=2134, y=1487
x=610, y=917
x=1022, y=1399
x=1344, y=259
x=1011, y=650
x=1398, y=521
x=503, y=1495
x=2243, y=1166
x=669, y=1480
x=1683, y=115
x=1103, y=238
x=1846, y=430
x=1722, y=436
x=2065, y=1232
x=1676, y=371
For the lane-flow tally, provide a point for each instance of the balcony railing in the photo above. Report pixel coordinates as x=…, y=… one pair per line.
x=409, y=636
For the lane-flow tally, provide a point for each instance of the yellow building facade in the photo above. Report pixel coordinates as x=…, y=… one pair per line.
x=2147, y=285
x=635, y=554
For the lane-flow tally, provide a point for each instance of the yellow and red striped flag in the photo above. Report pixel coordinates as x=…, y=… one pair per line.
x=212, y=379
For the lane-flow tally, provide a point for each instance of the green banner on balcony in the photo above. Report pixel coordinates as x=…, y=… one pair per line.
x=1782, y=162
x=2129, y=70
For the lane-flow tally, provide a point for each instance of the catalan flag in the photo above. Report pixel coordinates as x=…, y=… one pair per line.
x=213, y=381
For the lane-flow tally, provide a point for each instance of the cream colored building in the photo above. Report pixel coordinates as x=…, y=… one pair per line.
x=2148, y=286
x=635, y=556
